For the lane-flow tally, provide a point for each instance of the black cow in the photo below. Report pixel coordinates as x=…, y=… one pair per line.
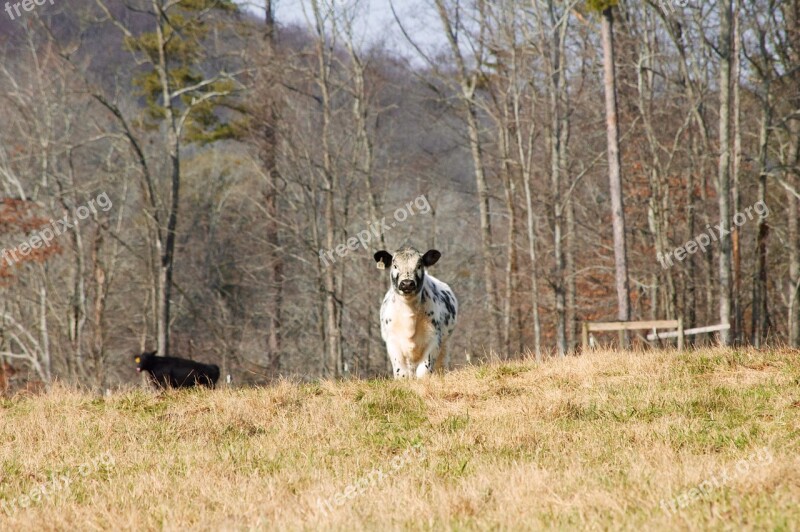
x=176, y=372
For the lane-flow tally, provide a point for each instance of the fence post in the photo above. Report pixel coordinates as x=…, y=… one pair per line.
x=680, y=334
x=585, y=337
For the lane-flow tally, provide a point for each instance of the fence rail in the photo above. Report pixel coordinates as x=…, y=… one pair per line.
x=689, y=332
x=622, y=326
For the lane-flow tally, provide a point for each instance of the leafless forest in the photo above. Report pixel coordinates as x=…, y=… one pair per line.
x=192, y=177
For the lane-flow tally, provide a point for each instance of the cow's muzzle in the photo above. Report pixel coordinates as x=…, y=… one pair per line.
x=407, y=286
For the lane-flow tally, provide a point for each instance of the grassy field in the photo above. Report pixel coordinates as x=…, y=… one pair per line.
x=657, y=440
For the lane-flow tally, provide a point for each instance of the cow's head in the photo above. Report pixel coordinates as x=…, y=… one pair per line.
x=407, y=268
x=143, y=361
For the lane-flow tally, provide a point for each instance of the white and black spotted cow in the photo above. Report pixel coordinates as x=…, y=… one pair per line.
x=418, y=313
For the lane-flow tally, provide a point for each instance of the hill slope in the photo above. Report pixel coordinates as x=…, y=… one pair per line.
x=596, y=441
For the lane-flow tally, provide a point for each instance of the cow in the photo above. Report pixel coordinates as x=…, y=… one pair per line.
x=176, y=372
x=418, y=313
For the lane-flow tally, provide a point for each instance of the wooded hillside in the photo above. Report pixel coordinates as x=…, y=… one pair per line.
x=206, y=172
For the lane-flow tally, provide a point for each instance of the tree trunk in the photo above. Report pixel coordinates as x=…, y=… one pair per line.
x=44, y=335
x=569, y=255
x=77, y=318
x=793, y=233
x=363, y=163
x=333, y=366
x=98, y=312
x=760, y=316
x=790, y=10
x=511, y=262
x=614, y=169
x=690, y=308
x=168, y=260
x=525, y=150
x=269, y=22
x=274, y=295
x=174, y=149
x=737, y=332
x=724, y=177
x=486, y=224
x=558, y=138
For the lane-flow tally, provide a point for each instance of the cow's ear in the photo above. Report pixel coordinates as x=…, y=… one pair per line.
x=383, y=258
x=431, y=257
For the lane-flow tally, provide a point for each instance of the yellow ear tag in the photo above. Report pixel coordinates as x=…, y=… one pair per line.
x=381, y=266
x=138, y=360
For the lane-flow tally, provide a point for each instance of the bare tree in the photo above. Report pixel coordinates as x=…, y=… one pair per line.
x=272, y=187
x=555, y=25
x=724, y=174
x=177, y=100
x=787, y=44
x=760, y=60
x=468, y=84
x=614, y=165
x=325, y=49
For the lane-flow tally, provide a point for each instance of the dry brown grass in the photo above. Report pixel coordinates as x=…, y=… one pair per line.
x=588, y=442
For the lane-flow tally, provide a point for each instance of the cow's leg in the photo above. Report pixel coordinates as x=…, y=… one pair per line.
x=440, y=357
x=429, y=361
x=399, y=369
x=424, y=369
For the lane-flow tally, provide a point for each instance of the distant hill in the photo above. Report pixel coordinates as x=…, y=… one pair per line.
x=101, y=44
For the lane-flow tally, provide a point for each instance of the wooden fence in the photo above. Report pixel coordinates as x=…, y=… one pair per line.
x=622, y=326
